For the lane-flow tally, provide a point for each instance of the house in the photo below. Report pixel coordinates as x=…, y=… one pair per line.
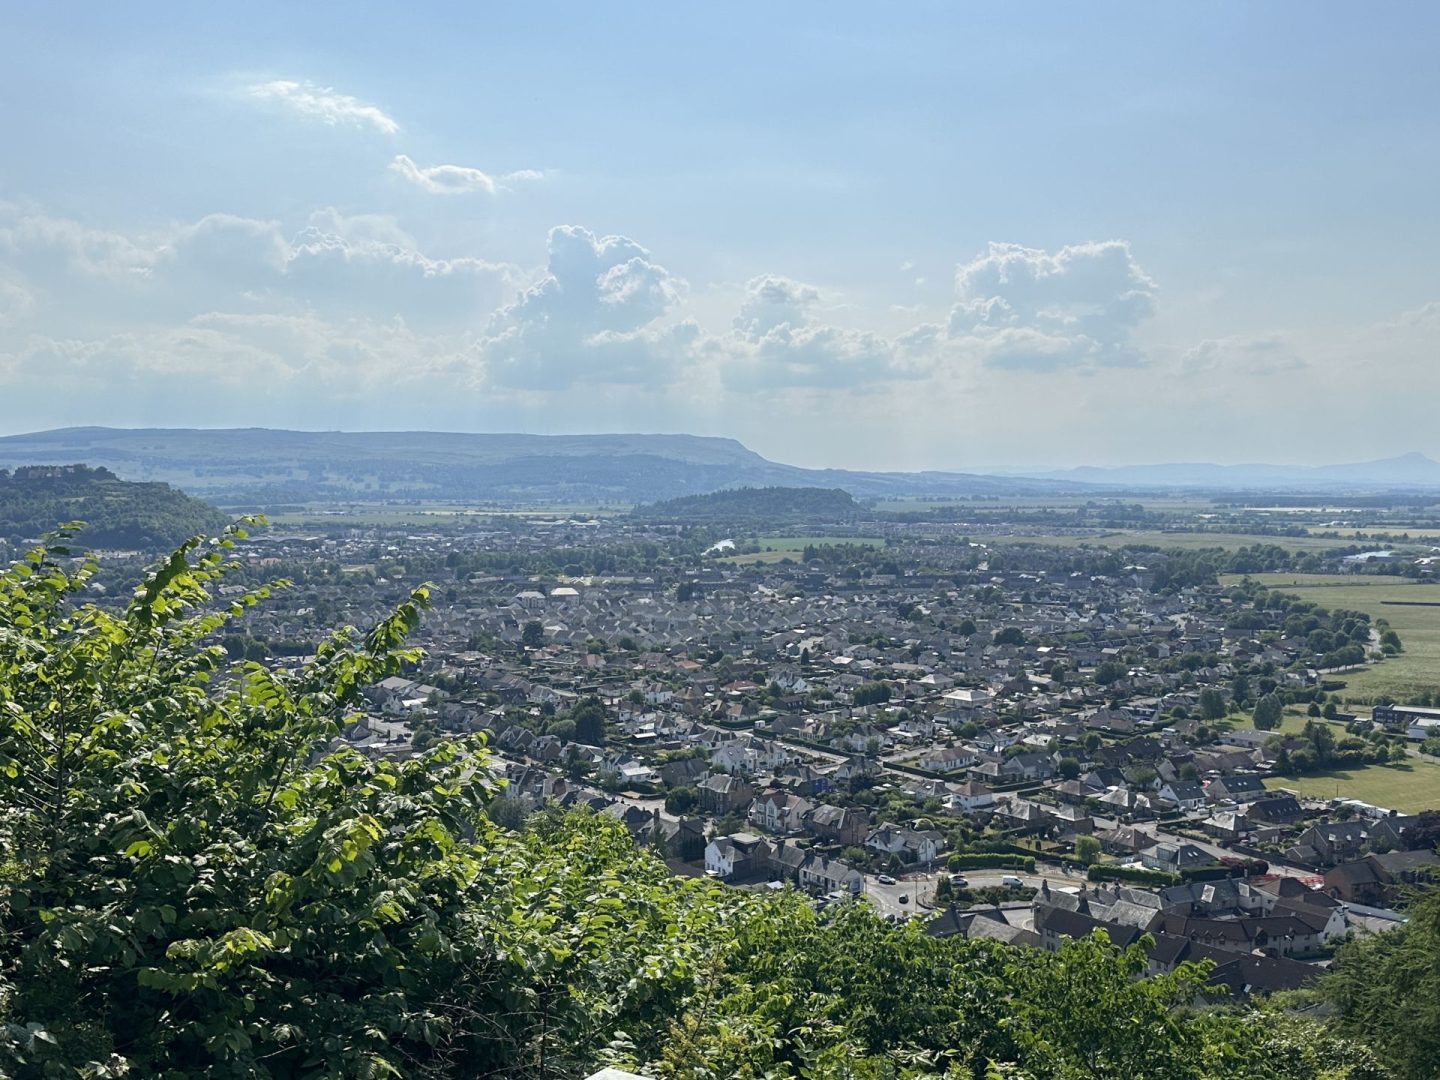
x=1173, y=858
x=846, y=826
x=970, y=796
x=1238, y=788
x=1329, y=843
x=1034, y=766
x=724, y=793
x=910, y=845
x=1182, y=795
x=1376, y=880
x=948, y=759
x=778, y=811
x=822, y=875
x=739, y=856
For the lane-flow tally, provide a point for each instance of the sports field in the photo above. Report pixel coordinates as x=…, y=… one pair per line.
x=1410, y=786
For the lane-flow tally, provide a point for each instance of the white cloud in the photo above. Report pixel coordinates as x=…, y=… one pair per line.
x=772, y=301
x=457, y=179
x=443, y=179
x=1020, y=307
x=360, y=265
x=778, y=342
x=593, y=317
x=312, y=102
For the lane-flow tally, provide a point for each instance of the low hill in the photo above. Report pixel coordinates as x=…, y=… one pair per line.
x=117, y=513
x=770, y=504
x=260, y=466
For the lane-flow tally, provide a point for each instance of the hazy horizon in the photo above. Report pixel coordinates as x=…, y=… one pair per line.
x=1022, y=239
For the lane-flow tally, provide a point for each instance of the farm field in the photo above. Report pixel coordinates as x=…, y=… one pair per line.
x=1188, y=541
x=362, y=514
x=1409, y=786
x=1401, y=677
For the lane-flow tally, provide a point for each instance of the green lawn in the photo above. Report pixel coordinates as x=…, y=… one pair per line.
x=1410, y=786
x=774, y=549
x=1400, y=677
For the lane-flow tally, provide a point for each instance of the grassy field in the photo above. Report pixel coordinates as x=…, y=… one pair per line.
x=774, y=549
x=1418, y=667
x=1410, y=786
x=1187, y=541
x=396, y=514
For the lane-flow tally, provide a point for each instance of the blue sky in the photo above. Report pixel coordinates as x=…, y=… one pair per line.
x=934, y=235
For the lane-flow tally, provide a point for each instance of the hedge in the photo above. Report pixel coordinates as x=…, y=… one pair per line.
x=991, y=860
x=1249, y=868
x=1133, y=874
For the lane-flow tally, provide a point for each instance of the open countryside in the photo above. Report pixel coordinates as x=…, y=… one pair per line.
x=1403, y=603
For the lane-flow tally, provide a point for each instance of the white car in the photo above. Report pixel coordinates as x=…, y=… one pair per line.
x=885, y=879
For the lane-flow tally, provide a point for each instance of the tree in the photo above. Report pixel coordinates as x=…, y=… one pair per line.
x=1322, y=737
x=871, y=693
x=1109, y=672
x=190, y=855
x=1240, y=690
x=532, y=635
x=1423, y=833
x=681, y=800
x=589, y=719
x=1087, y=848
x=1009, y=635
x=1068, y=768
x=1212, y=704
x=1268, y=713
x=1386, y=991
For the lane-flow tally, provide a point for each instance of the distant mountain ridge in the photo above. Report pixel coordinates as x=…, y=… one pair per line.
x=1408, y=470
x=265, y=466
x=253, y=465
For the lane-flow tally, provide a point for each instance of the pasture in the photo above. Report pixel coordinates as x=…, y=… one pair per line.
x=1400, y=677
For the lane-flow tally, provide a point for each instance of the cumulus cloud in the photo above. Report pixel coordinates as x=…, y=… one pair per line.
x=365, y=264
x=771, y=302
x=322, y=103
x=592, y=318
x=780, y=342
x=457, y=179
x=1078, y=307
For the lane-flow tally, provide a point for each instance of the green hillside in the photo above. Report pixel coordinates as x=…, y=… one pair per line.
x=117, y=513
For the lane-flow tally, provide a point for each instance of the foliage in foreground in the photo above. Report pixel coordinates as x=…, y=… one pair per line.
x=1386, y=990
x=197, y=879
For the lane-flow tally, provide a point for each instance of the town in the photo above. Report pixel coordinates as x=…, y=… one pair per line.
x=1017, y=741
